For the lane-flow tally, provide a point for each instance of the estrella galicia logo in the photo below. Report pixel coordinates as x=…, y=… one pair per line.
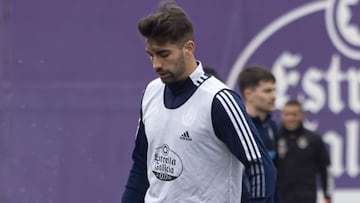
x=314, y=52
x=166, y=164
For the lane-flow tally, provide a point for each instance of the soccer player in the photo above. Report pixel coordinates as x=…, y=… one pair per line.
x=257, y=86
x=194, y=138
x=302, y=157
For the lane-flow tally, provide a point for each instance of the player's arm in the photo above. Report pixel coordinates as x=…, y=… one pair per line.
x=137, y=183
x=234, y=127
x=323, y=161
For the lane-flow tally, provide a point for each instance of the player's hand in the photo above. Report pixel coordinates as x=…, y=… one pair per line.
x=327, y=201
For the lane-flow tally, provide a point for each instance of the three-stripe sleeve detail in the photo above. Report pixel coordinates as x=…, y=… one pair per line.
x=247, y=140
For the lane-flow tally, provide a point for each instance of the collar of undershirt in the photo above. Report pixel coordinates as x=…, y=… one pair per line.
x=178, y=93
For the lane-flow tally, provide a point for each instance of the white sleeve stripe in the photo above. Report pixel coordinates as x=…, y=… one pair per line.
x=236, y=127
x=243, y=120
x=259, y=168
x=239, y=122
x=255, y=182
x=259, y=180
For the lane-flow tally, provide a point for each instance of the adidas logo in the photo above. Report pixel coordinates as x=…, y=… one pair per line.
x=185, y=136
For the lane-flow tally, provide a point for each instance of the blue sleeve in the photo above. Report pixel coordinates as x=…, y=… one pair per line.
x=137, y=183
x=235, y=128
x=274, y=137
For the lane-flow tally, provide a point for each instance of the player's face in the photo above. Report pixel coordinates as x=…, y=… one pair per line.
x=291, y=116
x=263, y=97
x=168, y=61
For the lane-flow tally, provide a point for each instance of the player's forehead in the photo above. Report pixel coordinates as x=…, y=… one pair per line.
x=291, y=109
x=153, y=46
x=265, y=85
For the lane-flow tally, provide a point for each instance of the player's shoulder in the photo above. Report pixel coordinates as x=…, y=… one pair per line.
x=313, y=135
x=153, y=85
x=214, y=86
x=154, y=82
x=152, y=89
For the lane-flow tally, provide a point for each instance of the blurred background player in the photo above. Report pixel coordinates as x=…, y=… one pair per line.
x=302, y=156
x=257, y=86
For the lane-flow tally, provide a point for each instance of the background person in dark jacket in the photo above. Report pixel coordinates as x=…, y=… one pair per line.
x=302, y=157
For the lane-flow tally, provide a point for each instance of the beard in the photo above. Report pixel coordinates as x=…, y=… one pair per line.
x=175, y=75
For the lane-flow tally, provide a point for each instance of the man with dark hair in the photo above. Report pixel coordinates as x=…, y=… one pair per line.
x=302, y=157
x=194, y=138
x=257, y=86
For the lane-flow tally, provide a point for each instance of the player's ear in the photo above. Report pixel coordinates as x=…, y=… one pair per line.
x=247, y=93
x=302, y=115
x=189, y=46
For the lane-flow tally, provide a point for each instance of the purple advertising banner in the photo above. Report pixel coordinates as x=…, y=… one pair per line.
x=314, y=52
x=72, y=75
